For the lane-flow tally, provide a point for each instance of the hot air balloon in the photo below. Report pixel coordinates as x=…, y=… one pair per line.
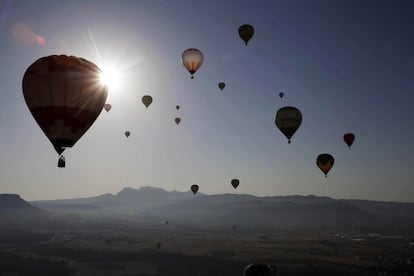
x=107, y=107
x=147, y=100
x=235, y=183
x=177, y=107
x=192, y=60
x=158, y=245
x=259, y=270
x=281, y=94
x=288, y=119
x=221, y=85
x=246, y=32
x=325, y=162
x=177, y=120
x=194, y=188
x=127, y=133
x=65, y=96
x=349, y=139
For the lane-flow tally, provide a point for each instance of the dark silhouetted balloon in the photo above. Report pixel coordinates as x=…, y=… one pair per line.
x=246, y=32
x=147, y=100
x=288, y=119
x=107, y=107
x=192, y=60
x=127, y=133
x=281, y=94
x=65, y=96
x=177, y=120
x=177, y=107
x=221, y=85
x=194, y=188
x=349, y=139
x=235, y=183
x=259, y=270
x=325, y=162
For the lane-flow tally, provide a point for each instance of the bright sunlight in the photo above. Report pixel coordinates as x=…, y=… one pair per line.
x=110, y=77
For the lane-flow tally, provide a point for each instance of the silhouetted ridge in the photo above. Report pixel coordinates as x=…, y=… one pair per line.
x=15, y=211
x=11, y=202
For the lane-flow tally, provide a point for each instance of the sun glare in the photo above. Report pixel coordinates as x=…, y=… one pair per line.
x=110, y=77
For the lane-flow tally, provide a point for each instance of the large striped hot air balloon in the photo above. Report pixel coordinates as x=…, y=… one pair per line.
x=65, y=96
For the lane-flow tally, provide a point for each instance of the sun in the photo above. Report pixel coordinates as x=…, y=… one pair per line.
x=110, y=77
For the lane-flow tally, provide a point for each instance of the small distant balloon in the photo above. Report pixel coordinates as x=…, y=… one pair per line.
x=288, y=119
x=147, y=100
x=221, y=85
x=235, y=183
x=281, y=94
x=194, y=188
x=349, y=139
x=177, y=107
x=177, y=120
x=325, y=162
x=246, y=32
x=159, y=245
x=192, y=60
x=107, y=107
x=127, y=133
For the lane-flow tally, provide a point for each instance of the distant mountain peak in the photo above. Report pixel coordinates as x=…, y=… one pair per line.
x=12, y=203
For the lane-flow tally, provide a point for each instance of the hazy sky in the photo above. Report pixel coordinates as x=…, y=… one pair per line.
x=347, y=65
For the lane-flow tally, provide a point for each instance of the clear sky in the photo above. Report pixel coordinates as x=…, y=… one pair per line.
x=347, y=65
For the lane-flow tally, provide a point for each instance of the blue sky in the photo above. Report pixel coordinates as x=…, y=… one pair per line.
x=347, y=65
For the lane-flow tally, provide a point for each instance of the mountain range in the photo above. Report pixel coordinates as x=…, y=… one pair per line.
x=241, y=209
x=284, y=212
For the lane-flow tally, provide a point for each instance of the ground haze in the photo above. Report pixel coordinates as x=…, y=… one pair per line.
x=151, y=231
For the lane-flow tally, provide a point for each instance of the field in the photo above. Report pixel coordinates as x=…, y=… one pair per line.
x=174, y=249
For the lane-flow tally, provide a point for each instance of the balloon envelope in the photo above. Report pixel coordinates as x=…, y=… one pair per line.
x=107, y=107
x=177, y=120
x=246, y=32
x=235, y=183
x=349, y=139
x=192, y=60
x=65, y=96
x=177, y=107
x=221, y=85
x=147, y=100
x=194, y=188
x=281, y=94
x=288, y=119
x=325, y=162
x=259, y=270
x=127, y=133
